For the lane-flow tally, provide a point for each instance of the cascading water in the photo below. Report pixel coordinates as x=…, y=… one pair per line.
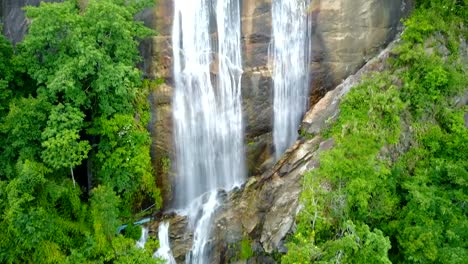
x=201, y=214
x=144, y=236
x=291, y=58
x=164, y=251
x=208, y=132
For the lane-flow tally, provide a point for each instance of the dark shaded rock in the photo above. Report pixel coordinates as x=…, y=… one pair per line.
x=257, y=102
x=161, y=133
x=345, y=34
x=14, y=21
x=466, y=120
x=259, y=149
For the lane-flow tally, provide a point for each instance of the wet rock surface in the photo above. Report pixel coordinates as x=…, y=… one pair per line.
x=180, y=236
x=345, y=35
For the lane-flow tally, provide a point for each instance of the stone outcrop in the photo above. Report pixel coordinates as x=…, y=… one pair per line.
x=346, y=34
x=326, y=110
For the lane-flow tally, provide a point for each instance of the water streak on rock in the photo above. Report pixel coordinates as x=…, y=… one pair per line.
x=207, y=110
x=291, y=59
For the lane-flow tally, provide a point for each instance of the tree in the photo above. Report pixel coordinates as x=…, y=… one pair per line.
x=62, y=133
x=123, y=158
x=88, y=59
x=22, y=127
x=71, y=88
x=84, y=63
x=6, y=74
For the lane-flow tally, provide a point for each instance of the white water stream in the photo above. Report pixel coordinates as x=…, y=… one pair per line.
x=291, y=59
x=144, y=237
x=201, y=213
x=208, y=130
x=164, y=251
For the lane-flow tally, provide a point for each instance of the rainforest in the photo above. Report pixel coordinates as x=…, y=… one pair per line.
x=234, y=131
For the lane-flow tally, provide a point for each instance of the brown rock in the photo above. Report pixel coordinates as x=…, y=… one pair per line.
x=180, y=236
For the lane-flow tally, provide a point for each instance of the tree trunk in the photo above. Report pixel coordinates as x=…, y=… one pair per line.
x=73, y=176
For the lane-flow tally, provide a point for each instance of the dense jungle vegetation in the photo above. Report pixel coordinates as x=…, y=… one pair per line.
x=394, y=189
x=74, y=148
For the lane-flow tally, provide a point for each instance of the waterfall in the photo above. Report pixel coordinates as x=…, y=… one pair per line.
x=164, y=251
x=203, y=208
x=144, y=237
x=208, y=132
x=291, y=58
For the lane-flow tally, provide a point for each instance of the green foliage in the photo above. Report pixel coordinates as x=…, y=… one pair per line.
x=305, y=134
x=104, y=212
x=433, y=226
x=39, y=217
x=166, y=165
x=86, y=59
x=445, y=7
x=62, y=132
x=428, y=81
x=124, y=157
x=241, y=250
x=84, y=63
x=72, y=99
x=21, y=132
x=356, y=244
x=127, y=253
x=6, y=74
x=355, y=189
x=132, y=231
x=246, y=251
x=399, y=165
x=142, y=103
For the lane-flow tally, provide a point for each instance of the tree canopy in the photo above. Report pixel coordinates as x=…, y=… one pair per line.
x=75, y=159
x=396, y=180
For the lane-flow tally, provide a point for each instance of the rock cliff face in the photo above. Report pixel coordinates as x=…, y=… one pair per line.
x=15, y=24
x=345, y=34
